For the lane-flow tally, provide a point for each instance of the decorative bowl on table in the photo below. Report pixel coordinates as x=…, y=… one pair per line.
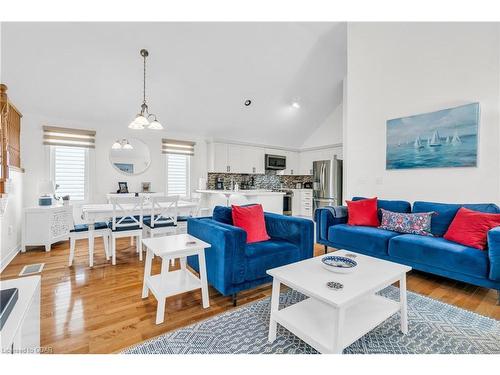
x=338, y=264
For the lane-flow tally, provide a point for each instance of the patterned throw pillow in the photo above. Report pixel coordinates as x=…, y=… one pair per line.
x=417, y=223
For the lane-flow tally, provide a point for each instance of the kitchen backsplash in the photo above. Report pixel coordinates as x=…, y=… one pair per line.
x=268, y=181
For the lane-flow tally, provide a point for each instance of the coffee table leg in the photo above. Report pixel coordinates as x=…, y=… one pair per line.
x=203, y=277
x=275, y=303
x=403, y=304
x=337, y=331
x=147, y=272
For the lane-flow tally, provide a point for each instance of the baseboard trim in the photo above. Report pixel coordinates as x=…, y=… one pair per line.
x=10, y=256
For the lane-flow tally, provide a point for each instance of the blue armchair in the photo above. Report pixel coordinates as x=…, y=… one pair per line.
x=233, y=265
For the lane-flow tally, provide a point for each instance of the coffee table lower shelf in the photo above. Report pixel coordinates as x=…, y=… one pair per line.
x=313, y=321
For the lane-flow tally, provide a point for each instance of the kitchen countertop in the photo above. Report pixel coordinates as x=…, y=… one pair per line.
x=242, y=192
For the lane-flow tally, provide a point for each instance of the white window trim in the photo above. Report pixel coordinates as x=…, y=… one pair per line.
x=87, y=189
x=188, y=175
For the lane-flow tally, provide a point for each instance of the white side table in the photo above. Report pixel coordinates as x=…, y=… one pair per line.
x=168, y=283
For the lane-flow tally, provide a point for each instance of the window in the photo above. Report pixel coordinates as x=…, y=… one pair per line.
x=70, y=171
x=178, y=175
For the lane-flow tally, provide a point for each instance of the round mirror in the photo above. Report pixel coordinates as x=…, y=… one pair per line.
x=130, y=156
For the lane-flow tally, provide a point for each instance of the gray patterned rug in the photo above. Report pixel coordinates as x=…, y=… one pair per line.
x=434, y=327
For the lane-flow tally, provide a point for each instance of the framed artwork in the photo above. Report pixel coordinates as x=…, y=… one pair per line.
x=122, y=187
x=441, y=139
x=146, y=187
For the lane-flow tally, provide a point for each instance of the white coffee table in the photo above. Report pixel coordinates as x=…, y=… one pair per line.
x=331, y=320
x=169, y=283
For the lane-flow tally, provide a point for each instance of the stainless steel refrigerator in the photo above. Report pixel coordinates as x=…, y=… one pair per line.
x=327, y=183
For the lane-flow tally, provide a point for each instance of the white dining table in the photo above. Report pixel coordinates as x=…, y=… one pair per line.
x=93, y=213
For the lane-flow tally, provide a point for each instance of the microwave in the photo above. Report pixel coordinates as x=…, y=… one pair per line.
x=275, y=162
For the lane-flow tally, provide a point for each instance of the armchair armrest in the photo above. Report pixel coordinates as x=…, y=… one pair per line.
x=293, y=229
x=225, y=259
x=325, y=217
x=494, y=253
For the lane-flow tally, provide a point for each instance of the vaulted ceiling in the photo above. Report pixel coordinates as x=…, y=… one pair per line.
x=199, y=75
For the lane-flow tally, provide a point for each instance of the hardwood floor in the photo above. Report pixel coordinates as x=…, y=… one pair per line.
x=100, y=310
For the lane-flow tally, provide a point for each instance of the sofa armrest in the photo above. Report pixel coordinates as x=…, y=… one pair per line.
x=325, y=217
x=225, y=259
x=494, y=253
x=297, y=230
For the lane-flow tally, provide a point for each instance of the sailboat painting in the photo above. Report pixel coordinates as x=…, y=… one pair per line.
x=442, y=139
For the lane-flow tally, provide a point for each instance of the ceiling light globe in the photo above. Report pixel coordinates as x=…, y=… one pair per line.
x=155, y=125
x=134, y=125
x=127, y=146
x=116, y=146
x=296, y=105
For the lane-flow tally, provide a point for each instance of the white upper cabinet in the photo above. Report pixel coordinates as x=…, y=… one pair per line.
x=220, y=162
x=245, y=159
x=233, y=158
x=308, y=157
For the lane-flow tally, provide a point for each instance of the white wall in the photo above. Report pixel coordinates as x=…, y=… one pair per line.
x=399, y=69
x=329, y=132
x=10, y=223
x=103, y=178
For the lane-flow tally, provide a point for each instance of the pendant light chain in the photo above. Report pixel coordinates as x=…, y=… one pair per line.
x=142, y=119
x=144, y=86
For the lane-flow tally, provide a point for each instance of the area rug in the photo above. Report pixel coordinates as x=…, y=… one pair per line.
x=434, y=327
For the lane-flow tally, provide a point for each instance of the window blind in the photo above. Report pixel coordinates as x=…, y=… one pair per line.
x=177, y=175
x=55, y=136
x=70, y=171
x=173, y=146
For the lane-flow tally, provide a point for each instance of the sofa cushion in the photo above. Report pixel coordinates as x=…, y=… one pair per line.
x=268, y=247
x=251, y=220
x=413, y=223
x=390, y=205
x=262, y=256
x=470, y=228
x=440, y=253
x=367, y=239
x=363, y=212
x=445, y=212
x=223, y=215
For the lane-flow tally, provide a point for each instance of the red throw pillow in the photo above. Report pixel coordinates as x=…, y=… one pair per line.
x=470, y=228
x=251, y=219
x=363, y=212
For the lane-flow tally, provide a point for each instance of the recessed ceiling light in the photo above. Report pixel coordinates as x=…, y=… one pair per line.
x=248, y=102
x=295, y=105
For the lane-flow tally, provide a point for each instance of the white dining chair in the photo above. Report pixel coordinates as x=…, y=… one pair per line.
x=163, y=213
x=196, y=211
x=81, y=231
x=126, y=222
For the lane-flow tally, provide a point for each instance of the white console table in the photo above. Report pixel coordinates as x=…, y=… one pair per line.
x=45, y=225
x=21, y=331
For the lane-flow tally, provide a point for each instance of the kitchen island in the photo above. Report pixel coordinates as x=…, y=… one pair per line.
x=271, y=201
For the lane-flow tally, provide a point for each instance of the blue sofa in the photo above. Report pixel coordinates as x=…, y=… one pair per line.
x=429, y=254
x=233, y=265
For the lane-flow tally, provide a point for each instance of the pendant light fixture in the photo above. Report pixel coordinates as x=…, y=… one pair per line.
x=141, y=121
x=122, y=145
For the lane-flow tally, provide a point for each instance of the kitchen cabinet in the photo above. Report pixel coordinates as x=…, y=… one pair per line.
x=220, y=158
x=245, y=159
x=302, y=202
x=234, y=158
x=308, y=157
